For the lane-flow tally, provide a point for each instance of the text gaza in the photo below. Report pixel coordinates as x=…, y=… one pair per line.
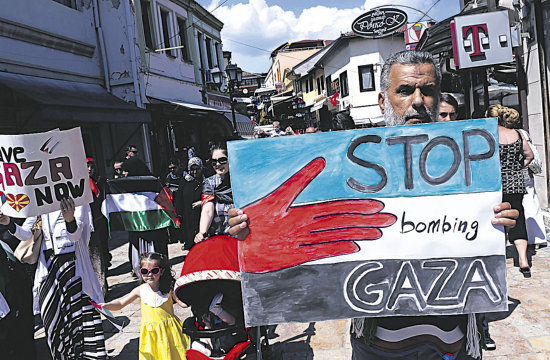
x=36, y=174
x=407, y=141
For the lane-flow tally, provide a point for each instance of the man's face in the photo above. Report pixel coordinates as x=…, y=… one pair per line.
x=131, y=152
x=276, y=125
x=413, y=95
x=91, y=169
x=118, y=169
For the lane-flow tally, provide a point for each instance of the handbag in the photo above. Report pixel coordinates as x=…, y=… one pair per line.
x=536, y=164
x=28, y=251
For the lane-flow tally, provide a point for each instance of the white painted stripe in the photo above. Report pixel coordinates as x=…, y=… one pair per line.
x=447, y=337
x=397, y=242
x=129, y=202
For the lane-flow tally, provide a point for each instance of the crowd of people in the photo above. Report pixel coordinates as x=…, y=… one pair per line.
x=74, y=258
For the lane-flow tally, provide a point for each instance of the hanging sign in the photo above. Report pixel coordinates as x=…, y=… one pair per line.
x=379, y=23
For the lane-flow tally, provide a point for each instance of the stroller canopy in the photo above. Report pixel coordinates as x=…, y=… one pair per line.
x=213, y=259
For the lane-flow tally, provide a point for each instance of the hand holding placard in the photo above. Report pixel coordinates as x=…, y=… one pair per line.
x=306, y=232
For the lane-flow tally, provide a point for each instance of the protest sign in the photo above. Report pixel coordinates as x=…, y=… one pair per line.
x=38, y=170
x=373, y=222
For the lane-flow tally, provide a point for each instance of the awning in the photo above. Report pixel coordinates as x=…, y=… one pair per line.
x=192, y=106
x=317, y=106
x=279, y=99
x=264, y=90
x=366, y=115
x=245, y=100
x=245, y=126
x=62, y=100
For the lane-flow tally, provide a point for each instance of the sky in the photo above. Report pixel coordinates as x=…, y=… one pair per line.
x=254, y=28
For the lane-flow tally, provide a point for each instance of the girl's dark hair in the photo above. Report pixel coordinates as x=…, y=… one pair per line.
x=166, y=281
x=221, y=147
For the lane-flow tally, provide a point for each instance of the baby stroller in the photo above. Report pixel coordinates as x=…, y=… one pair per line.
x=210, y=272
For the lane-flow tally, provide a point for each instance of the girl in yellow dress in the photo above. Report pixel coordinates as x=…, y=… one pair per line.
x=160, y=331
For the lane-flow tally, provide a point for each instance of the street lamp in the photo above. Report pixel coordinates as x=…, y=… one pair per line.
x=234, y=75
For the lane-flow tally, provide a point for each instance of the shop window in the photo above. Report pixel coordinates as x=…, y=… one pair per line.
x=366, y=78
x=298, y=86
x=217, y=48
x=209, y=53
x=146, y=19
x=329, y=86
x=68, y=3
x=165, y=22
x=344, y=91
x=310, y=80
x=182, y=27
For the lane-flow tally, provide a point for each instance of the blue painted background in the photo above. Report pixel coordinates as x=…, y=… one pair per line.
x=259, y=166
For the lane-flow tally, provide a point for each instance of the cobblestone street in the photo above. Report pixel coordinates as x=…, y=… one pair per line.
x=521, y=333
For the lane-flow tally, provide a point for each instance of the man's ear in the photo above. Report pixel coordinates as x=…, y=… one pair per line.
x=381, y=98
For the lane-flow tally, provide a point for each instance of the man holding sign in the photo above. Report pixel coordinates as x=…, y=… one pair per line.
x=417, y=277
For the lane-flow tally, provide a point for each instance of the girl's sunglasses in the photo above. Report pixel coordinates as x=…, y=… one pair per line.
x=221, y=161
x=154, y=271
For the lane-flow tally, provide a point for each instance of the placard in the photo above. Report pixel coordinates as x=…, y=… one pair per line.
x=38, y=170
x=372, y=222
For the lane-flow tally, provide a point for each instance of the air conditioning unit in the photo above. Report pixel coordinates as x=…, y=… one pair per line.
x=344, y=104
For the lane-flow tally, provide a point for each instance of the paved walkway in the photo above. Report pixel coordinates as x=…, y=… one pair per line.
x=521, y=333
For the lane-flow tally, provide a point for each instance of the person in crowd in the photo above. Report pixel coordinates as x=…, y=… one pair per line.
x=161, y=335
x=133, y=165
x=143, y=241
x=276, y=131
x=217, y=197
x=65, y=282
x=515, y=156
x=448, y=108
x=175, y=173
x=311, y=130
x=16, y=310
x=289, y=131
x=188, y=201
x=98, y=246
x=410, y=89
x=260, y=133
x=208, y=168
x=172, y=180
x=117, y=169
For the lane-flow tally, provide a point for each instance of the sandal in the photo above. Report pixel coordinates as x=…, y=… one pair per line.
x=525, y=271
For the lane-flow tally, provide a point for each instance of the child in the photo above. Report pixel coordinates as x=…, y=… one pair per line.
x=161, y=336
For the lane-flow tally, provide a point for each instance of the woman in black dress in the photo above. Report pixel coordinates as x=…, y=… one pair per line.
x=188, y=201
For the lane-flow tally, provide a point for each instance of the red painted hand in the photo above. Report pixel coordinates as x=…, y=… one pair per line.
x=283, y=236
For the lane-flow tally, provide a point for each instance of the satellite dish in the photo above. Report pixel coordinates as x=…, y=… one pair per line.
x=245, y=91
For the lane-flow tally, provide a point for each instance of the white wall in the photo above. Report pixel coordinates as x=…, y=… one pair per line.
x=360, y=51
x=53, y=26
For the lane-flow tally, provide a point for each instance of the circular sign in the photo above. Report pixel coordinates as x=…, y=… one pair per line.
x=379, y=23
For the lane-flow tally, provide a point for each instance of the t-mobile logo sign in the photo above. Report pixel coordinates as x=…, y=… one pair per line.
x=479, y=35
x=481, y=39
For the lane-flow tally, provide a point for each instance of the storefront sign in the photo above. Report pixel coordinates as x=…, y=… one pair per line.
x=38, y=170
x=379, y=23
x=372, y=222
x=481, y=39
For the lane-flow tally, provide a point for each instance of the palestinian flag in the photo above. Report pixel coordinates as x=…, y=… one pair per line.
x=138, y=203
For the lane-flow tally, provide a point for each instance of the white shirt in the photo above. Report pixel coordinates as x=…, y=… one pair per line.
x=65, y=242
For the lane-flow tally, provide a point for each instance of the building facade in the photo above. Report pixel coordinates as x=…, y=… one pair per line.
x=54, y=73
